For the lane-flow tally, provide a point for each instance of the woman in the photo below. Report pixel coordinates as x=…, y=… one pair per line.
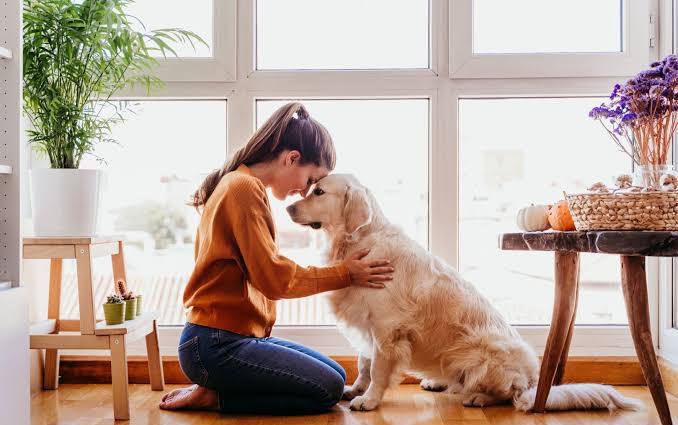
x=225, y=348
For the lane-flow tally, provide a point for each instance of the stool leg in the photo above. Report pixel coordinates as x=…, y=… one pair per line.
x=564, y=304
x=560, y=372
x=118, y=263
x=155, y=372
x=635, y=295
x=83, y=261
x=51, y=372
x=119, y=377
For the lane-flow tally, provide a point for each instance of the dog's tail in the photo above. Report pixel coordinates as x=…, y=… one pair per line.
x=578, y=397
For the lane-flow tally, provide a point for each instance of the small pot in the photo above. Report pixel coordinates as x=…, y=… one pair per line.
x=138, y=298
x=130, y=309
x=114, y=313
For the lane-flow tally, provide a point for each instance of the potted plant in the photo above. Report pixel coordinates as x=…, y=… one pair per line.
x=641, y=119
x=76, y=56
x=129, y=298
x=114, y=310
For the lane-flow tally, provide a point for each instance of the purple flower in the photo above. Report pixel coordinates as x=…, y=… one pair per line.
x=628, y=117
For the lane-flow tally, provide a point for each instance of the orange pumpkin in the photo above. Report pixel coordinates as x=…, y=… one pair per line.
x=560, y=217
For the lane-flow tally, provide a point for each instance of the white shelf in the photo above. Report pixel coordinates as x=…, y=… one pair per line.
x=5, y=169
x=5, y=53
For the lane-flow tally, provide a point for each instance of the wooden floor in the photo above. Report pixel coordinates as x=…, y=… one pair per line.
x=90, y=404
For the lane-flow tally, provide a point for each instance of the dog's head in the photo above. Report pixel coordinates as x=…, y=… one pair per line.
x=337, y=201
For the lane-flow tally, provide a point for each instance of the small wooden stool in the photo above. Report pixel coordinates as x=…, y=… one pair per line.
x=87, y=332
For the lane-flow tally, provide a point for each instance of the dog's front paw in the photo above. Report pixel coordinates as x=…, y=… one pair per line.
x=431, y=385
x=351, y=392
x=364, y=403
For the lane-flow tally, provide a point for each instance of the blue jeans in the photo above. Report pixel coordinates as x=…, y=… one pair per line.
x=260, y=375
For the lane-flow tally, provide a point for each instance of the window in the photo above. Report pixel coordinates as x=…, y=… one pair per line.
x=346, y=34
x=384, y=143
x=545, y=26
x=510, y=164
x=165, y=150
x=449, y=156
x=158, y=14
x=215, y=21
x=550, y=38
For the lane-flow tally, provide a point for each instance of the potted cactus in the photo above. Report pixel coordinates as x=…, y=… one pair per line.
x=129, y=297
x=114, y=310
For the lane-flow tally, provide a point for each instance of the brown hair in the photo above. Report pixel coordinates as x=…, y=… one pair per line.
x=282, y=131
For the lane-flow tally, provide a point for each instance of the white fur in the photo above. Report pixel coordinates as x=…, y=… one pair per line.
x=428, y=321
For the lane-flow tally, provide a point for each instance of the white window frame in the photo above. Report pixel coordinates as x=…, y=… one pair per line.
x=221, y=66
x=464, y=63
x=443, y=94
x=668, y=268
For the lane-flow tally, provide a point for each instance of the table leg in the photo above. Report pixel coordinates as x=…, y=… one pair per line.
x=560, y=372
x=564, y=309
x=635, y=295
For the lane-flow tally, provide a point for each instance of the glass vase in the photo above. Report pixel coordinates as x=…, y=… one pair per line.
x=648, y=175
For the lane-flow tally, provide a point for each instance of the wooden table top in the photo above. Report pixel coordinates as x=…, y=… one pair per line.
x=620, y=242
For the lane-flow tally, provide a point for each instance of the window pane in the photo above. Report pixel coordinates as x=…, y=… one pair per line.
x=346, y=34
x=195, y=16
x=547, y=26
x=532, y=151
x=384, y=143
x=159, y=162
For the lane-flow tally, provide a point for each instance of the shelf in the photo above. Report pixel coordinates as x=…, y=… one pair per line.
x=5, y=53
x=5, y=169
x=5, y=284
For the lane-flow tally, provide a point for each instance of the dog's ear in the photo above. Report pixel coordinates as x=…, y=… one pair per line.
x=357, y=210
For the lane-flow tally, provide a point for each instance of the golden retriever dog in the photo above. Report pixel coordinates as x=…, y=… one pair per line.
x=428, y=321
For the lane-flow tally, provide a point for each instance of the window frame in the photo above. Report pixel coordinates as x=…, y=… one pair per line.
x=464, y=63
x=443, y=93
x=221, y=66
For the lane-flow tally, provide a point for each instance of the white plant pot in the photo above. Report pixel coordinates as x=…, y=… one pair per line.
x=65, y=202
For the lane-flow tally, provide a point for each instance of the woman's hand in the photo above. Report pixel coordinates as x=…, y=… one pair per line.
x=368, y=273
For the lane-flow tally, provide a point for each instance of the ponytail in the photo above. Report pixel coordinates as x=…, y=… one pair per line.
x=282, y=131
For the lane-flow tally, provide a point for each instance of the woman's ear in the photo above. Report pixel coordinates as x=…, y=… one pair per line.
x=292, y=157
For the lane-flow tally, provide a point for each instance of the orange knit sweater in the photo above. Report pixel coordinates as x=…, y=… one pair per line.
x=238, y=272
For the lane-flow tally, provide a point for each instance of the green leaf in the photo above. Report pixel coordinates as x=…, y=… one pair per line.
x=77, y=56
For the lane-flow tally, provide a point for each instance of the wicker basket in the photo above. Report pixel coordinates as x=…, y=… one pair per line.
x=624, y=210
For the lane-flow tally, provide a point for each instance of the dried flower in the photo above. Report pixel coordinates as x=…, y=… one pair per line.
x=623, y=181
x=641, y=114
x=668, y=182
x=599, y=187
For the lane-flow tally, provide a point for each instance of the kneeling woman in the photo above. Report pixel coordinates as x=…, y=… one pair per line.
x=225, y=348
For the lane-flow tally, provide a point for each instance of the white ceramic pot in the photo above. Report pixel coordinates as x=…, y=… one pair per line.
x=65, y=202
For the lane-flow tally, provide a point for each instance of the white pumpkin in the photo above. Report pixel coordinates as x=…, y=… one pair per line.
x=534, y=218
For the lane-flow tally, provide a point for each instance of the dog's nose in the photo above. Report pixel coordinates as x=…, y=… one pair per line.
x=291, y=210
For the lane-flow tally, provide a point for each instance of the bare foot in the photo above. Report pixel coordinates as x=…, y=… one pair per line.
x=193, y=398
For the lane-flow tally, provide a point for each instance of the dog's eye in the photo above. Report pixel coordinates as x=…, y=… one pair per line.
x=318, y=191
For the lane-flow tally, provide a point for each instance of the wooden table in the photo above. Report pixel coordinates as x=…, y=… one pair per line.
x=632, y=247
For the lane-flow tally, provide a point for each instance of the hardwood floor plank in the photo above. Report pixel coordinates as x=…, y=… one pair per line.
x=91, y=404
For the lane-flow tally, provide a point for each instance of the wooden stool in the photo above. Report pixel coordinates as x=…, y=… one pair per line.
x=632, y=247
x=87, y=332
